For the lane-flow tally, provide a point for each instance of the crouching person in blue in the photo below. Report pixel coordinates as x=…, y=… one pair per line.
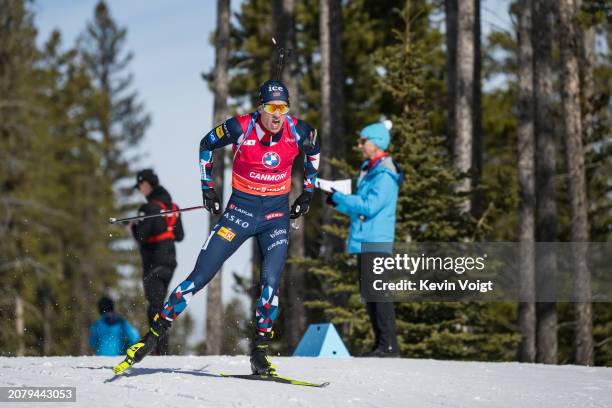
x=372, y=211
x=112, y=334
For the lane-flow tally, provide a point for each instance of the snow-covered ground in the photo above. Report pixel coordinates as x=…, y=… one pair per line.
x=355, y=382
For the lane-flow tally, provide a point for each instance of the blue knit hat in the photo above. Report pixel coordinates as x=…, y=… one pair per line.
x=377, y=133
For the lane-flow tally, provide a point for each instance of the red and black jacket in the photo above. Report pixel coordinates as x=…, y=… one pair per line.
x=156, y=236
x=171, y=221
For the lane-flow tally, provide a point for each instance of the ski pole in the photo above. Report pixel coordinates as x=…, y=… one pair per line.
x=161, y=214
x=280, y=59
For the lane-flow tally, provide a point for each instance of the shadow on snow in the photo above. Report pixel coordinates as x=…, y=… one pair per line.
x=137, y=371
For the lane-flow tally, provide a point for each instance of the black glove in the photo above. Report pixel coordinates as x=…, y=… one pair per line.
x=329, y=200
x=301, y=205
x=211, y=201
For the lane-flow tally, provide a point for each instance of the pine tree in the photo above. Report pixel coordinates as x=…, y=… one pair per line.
x=599, y=174
x=366, y=28
x=546, y=206
x=23, y=218
x=431, y=330
x=249, y=66
x=218, y=82
x=598, y=164
x=428, y=210
x=59, y=259
x=121, y=122
x=526, y=177
x=570, y=52
x=292, y=324
x=420, y=152
x=89, y=265
x=332, y=101
x=465, y=45
x=252, y=51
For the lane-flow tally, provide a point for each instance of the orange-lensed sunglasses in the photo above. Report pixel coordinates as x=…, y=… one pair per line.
x=271, y=108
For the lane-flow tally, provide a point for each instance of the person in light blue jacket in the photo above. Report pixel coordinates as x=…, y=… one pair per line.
x=112, y=334
x=372, y=210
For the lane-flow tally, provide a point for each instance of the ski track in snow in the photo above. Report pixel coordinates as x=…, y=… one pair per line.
x=181, y=381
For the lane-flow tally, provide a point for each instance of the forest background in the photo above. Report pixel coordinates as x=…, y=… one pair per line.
x=524, y=158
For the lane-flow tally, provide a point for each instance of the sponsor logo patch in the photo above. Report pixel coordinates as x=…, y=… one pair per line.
x=283, y=241
x=212, y=137
x=270, y=160
x=236, y=220
x=268, y=177
x=226, y=234
x=219, y=131
x=273, y=215
x=249, y=142
x=277, y=232
x=232, y=206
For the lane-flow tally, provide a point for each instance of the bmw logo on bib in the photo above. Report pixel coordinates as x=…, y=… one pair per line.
x=271, y=160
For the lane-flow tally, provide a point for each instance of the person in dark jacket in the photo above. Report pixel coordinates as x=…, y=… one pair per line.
x=112, y=334
x=156, y=237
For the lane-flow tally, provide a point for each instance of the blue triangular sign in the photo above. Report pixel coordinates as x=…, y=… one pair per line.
x=321, y=340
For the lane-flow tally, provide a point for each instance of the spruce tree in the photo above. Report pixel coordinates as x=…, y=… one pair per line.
x=57, y=251
x=121, y=119
x=120, y=122
x=22, y=219
x=428, y=209
x=252, y=54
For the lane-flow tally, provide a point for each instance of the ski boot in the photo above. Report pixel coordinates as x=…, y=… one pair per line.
x=383, y=352
x=260, y=362
x=145, y=345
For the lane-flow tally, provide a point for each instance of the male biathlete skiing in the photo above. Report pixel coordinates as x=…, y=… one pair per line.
x=265, y=143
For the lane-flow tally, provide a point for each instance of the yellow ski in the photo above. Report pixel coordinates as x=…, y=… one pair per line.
x=275, y=378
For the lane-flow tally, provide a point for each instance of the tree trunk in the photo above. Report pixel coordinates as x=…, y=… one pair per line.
x=214, y=299
x=19, y=325
x=464, y=94
x=337, y=86
x=587, y=63
x=570, y=80
x=546, y=208
x=332, y=119
x=451, y=10
x=332, y=101
x=83, y=298
x=526, y=181
x=84, y=343
x=325, y=40
x=47, y=321
x=293, y=284
x=477, y=151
